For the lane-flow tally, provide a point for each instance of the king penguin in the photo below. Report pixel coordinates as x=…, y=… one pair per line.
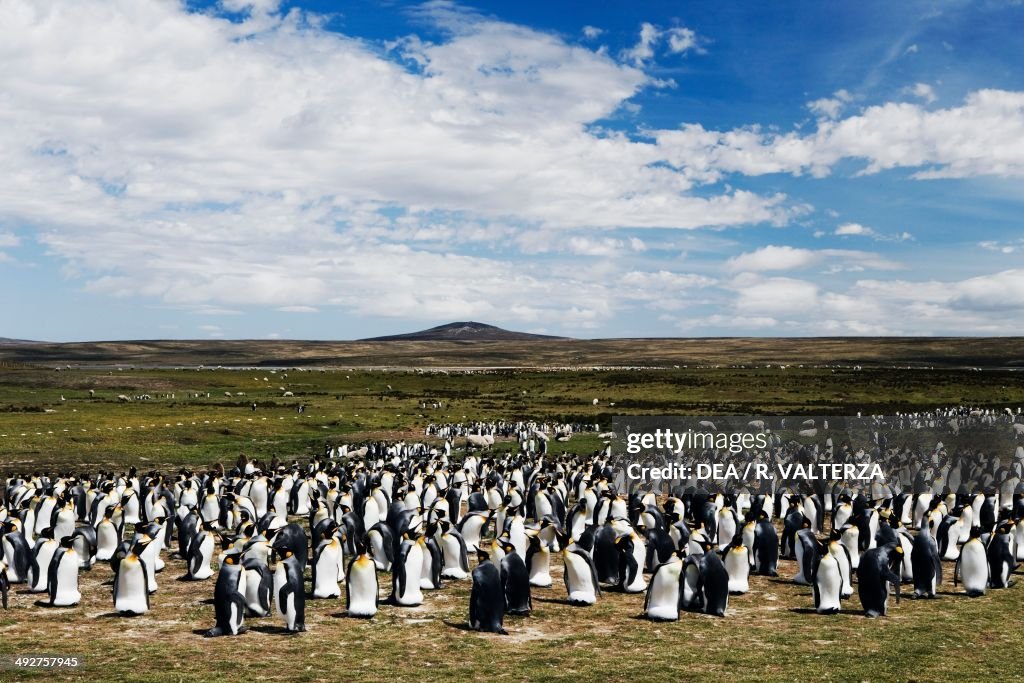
x=737, y=563
x=515, y=581
x=827, y=580
x=874, y=575
x=487, y=599
x=580, y=575
x=664, y=591
x=405, y=575
x=1001, y=560
x=289, y=590
x=971, y=567
x=131, y=594
x=229, y=597
x=538, y=562
x=200, y=553
x=361, y=588
x=327, y=559
x=63, y=571
x=924, y=558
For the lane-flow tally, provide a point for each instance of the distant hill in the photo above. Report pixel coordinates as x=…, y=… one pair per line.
x=7, y=340
x=465, y=331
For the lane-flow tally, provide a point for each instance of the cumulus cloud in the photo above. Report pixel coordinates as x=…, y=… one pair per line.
x=982, y=137
x=215, y=164
x=592, y=32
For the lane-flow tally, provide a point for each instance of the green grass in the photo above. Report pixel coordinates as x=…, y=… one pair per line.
x=82, y=431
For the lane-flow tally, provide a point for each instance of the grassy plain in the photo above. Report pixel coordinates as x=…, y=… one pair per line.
x=768, y=634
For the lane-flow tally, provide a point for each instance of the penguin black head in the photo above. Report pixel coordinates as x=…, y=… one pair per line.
x=482, y=556
x=67, y=541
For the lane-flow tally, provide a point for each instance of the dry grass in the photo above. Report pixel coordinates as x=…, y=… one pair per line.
x=768, y=634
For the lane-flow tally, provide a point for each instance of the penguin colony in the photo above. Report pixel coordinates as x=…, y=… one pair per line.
x=281, y=534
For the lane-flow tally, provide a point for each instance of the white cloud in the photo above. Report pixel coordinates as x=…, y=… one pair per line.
x=728, y=322
x=848, y=229
x=1003, y=247
x=8, y=239
x=643, y=51
x=298, y=309
x=792, y=258
x=213, y=165
x=830, y=107
x=774, y=296
x=923, y=91
x=911, y=49
x=592, y=32
x=983, y=136
x=858, y=230
x=680, y=41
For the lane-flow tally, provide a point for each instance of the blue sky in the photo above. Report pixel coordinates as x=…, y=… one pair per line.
x=337, y=170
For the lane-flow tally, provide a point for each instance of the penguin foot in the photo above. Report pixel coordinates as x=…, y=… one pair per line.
x=214, y=632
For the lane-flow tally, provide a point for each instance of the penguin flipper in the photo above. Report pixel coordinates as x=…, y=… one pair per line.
x=51, y=587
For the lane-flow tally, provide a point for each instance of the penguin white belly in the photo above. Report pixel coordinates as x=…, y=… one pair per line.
x=540, y=569
x=131, y=510
x=638, y=584
x=326, y=585
x=380, y=557
x=581, y=580
x=851, y=539
x=11, y=571
x=952, y=551
x=203, y=571
x=844, y=570
x=371, y=513
x=280, y=580
x=748, y=541
x=726, y=530
x=737, y=563
x=829, y=584
x=106, y=541
x=252, y=593
x=362, y=591
x=413, y=566
x=131, y=587
x=690, y=578
x=149, y=557
x=974, y=567
x=471, y=532
x=907, y=543
x=40, y=582
x=452, y=558
x=663, y=598
x=66, y=593
x=65, y=525
x=799, y=553
x=517, y=537
x=426, y=571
